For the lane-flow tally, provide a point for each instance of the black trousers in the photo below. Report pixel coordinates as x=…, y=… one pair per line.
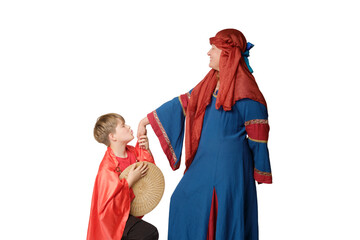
x=137, y=229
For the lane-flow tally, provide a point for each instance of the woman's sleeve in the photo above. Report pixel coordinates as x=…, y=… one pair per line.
x=168, y=122
x=257, y=128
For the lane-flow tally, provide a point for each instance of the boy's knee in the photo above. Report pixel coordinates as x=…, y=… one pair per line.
x=151, y=233
x=155, y=235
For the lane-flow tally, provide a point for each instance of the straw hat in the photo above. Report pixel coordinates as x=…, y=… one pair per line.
x=148, y=190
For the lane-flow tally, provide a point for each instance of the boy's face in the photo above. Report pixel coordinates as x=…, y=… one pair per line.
x=123, y=132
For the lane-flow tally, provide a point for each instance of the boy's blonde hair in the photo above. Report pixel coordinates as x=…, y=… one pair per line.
x=105, y=125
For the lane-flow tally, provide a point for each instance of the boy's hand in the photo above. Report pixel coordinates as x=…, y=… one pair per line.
x=144, y=142
x=137, y=172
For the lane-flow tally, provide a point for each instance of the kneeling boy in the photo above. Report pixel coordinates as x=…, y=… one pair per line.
x=110, y=206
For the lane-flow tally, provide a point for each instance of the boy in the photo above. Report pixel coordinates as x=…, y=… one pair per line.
x=110, y=206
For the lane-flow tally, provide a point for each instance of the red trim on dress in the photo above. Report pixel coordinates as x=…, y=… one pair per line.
x=213, y=217
x=262, y=177
x=184, y=100
x=257, y=129
x=163, y=138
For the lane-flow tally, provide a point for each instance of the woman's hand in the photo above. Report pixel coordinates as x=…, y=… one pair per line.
x=137, y=172
x=142, y=127
x=144, y=142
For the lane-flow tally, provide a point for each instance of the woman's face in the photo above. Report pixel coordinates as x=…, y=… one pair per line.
x=214, y=54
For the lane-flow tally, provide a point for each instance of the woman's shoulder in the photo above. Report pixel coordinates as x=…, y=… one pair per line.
x=249, y=106
x=249, y=102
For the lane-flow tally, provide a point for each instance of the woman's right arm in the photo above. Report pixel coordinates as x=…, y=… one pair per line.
x=168, y=123
x=142, y=127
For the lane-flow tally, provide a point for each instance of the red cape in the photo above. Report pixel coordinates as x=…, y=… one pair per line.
x=110, y=205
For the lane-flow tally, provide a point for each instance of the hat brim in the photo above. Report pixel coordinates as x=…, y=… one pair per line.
x=148, y=190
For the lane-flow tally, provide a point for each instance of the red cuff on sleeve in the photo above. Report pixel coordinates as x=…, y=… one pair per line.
x=163, y=138
x=258, y=129
x=262, y=177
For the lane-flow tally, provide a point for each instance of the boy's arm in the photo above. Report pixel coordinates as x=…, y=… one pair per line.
x=144, y=142
x=143, y=154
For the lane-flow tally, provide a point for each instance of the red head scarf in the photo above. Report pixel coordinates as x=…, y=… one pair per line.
x=236, y=82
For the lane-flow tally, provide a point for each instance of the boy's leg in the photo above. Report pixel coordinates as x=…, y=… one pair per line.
x=138, y=229
x=129, y=224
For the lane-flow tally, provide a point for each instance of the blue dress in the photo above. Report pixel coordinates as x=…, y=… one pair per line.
x=224, y=165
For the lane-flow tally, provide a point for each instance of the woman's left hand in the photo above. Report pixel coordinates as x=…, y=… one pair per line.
x=144, y=142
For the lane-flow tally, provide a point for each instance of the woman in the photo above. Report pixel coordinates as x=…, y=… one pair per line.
x=225, y=146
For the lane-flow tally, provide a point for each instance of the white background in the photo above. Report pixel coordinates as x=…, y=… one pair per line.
x=64, y=63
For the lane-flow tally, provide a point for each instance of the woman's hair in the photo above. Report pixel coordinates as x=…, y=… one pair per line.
x=105, y=125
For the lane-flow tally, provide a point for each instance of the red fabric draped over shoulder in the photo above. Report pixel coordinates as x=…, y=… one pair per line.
x=110, y=205
x=236, y=82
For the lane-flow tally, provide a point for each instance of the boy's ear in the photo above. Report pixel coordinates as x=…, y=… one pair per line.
x=111, y=137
